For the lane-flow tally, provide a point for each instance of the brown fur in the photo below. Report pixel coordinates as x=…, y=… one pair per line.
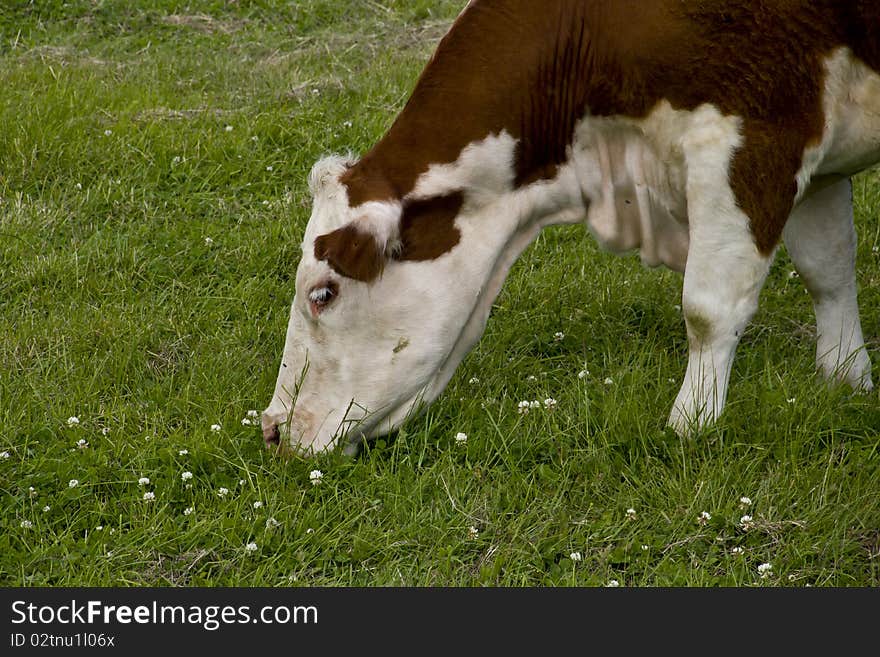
x=428, y=227
x=351, y=253
x=535, y=68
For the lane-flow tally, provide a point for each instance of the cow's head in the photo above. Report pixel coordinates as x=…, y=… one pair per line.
x=387, y=305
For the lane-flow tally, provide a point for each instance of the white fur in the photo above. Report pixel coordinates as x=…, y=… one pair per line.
x=484, y=170
x=624, y=171
x=821, y=240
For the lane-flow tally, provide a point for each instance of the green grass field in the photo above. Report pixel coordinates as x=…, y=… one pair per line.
x=153, y=157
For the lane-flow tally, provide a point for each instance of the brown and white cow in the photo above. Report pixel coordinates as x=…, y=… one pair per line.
x=701, y=132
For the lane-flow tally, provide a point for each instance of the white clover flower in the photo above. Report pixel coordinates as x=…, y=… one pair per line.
x=645, y=548
x=222, y=492
x=631, y=514
x=183, y=452
x=26, y=524
x=473, y=533
x=108, y=132
x=73, y=483
x=534, y=404
x=271, y=523
x=461, y=438
x=5, y=455
x=144, y=481
x=576, y=556
x=78, y=185
x=523, y=407
x=254, y=415
x=583, y=374
x=550, y=404
x=745, y=501
x=72, y=421
x=474, y=381
x=149, y=496
x=315, y=476
x=228, y=128
x=215, y=428
x=765, y=569
x=258, y=504
x=188, y=511
x=32, y=490
x=47, y=508
x=613, y=584
x=269, y=168
x=241, y=482
x=609, y=381
x=99, y=528
x=246, y=422
x=746, y=522
x=82, y=443
x=251, y=547
x=186, y=476
x=209, y=241
x=737, y=550
x=704, y=517
x=559, y=336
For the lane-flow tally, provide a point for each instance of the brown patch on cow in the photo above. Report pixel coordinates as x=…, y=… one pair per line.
x=351, y=253
x=534, y=69
x=427, y=228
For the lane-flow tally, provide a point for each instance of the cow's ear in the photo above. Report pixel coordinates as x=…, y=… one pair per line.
x=352, y=253
x=360, y=249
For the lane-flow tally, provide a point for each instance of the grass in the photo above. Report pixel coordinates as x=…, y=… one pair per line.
x=133, y=131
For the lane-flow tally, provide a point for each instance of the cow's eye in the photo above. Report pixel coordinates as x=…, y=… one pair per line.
x=322, y=296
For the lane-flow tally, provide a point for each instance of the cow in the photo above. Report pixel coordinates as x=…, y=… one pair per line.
x=702, y=133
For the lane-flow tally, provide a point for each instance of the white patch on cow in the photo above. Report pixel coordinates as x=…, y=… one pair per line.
x=324, y=176
x=484, y=170
x=821, y=240
x=630, y=173
x=852, y=120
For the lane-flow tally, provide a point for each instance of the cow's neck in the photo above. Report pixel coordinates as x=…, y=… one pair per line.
x=490, y=76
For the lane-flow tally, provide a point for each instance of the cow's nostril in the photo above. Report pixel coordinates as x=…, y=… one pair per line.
x=272, y=435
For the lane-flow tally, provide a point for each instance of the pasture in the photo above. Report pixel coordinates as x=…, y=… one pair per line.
x=153, y=162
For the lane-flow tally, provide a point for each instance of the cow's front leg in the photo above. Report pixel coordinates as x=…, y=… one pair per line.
x=821, y=240
x=725, y=268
